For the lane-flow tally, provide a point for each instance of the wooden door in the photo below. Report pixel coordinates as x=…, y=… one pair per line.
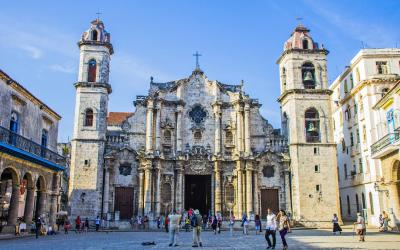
x=124, y=202
x=269, y=199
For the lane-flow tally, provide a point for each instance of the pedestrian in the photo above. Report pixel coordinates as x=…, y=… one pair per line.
x=219, y=225
x=86, y=225
x=283, y=226
x=187, y=223
x=205, y=219
x=166, y=223
x=214, y=224
x=158, y=222
x=336, y=227
x=231, y=224
x=67, y=226
x=270, y=229
x=245, y=224
x=38, y=226
x=381, y=223
x=146, y=222
x=257, y=223
x=360, y=227
x=386, y=220
x=196, y=222
x=174, y=220
x=77, y=224
x=97, y=223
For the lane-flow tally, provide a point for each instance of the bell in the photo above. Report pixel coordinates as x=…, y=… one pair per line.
x=311, y=127
x=308, y=76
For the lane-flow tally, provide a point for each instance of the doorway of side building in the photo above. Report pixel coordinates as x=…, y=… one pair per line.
x=269, y=199
x=198, y=192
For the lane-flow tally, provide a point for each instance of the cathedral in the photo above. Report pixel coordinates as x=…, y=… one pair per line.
x=200, y=143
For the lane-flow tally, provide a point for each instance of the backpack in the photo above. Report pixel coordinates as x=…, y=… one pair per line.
x=193, y=221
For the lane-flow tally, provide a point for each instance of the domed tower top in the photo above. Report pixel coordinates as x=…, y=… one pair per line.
x=96, y=35
x=300, y=39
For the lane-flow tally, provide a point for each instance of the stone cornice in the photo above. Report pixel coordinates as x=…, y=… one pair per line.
x=304, y=91
x=97, y=43
x=302, y=51
x=94, y=85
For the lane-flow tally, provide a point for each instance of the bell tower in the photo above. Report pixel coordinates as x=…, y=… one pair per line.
x=90, y=125
x=307, y=123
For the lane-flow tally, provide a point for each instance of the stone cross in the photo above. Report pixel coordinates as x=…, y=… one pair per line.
x=197, y=59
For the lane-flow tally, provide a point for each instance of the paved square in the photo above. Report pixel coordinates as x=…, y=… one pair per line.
x=299, y=239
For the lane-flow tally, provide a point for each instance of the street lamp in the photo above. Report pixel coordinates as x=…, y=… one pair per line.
x=377, y=189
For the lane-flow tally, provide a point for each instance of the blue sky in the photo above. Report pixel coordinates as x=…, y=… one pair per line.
x=238, y=40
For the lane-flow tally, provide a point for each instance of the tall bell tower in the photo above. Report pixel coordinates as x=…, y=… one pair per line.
x=307, y=123
x=90, y=125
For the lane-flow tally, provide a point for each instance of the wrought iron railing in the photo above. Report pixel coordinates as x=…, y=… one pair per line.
x=18, y=141
x=385, y=141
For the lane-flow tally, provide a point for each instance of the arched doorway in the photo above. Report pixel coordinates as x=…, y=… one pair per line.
x=27, y=191
x=40, y=197
x=395, y=190
x=9, y=197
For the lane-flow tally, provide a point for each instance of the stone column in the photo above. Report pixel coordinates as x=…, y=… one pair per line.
x=249, y=190
x=40, y=207
x=147, y=190
x=29, y=203
x=178, y=129
x=256, y=191
x=217, y=137
x=14, y=206
x=53, y=200
x=141, y=193
x=247, y=144
x=239, y=189
x=106, y=197
x=179, y=190
x=239, y=130
x=149, y=126
x=158, y=128
x=158, y=192
x=217, y=184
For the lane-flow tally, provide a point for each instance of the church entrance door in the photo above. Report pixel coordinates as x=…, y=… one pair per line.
x=198, y=192
x=269, y=199
x=124, y=202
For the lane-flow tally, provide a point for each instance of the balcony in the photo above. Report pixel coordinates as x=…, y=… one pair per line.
x=22, y=147
x=386, y=144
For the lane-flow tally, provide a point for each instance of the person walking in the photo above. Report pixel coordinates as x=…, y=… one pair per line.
x=360, y=227
x=174, y=220
x=187, y=223
x=67, y=226
x=214, y=224
x=219, y=222
x=231, y=224
x=38, y=226
x=77, y=224
x=86, y=225
x=386, y=220
x=97, y=223
x=205, y=219
x=166, y=223
x=336, y=227
x=245, y=224
x=283, y=226
x=270, y=229
x=257, y=223
x=196, y=222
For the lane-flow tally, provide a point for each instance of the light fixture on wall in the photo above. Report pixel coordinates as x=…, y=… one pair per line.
x=378, y=189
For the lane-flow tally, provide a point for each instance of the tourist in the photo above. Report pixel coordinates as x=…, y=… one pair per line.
x=38, y=227
x=146, y=222
x=386, y=220
x=381, y=223
x=270, y=229
x=97, y=223
x=174, y=220
x=158, y=222
x=86, y=225
x=196, y=221
x=214, y=224
x=257, y=223
x=283, y=226
x=205, y=219
x=67, y=225
x=231, y=224
x=219, y=220
x=166, y=223
x=187, y=223
x=336, y=227
x=245, y=224
x=360, y=227
x=77, y=224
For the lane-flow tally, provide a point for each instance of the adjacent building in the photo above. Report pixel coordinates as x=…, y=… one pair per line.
x=30, y=167
x=357, y=126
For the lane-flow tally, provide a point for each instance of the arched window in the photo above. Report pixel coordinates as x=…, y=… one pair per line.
x=308, y=74
x=167, y=137
x=357, y=204
x=89, y=118
x=92, y=71
x=371, y=203
x=45, y=134
x=228, y=138
x=94, y=35
x=305, y=44
x=229, y=194
x=348, y=205
x=312, y=125
x=363, y=200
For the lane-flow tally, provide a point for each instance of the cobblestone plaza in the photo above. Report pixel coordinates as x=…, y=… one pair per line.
x=298, y=239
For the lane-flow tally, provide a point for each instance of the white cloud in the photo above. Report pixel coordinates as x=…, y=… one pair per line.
x=69, y=68
x=33, y=51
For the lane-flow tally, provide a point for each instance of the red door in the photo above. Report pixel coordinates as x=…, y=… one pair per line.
x=269, y=199
x=124, y=202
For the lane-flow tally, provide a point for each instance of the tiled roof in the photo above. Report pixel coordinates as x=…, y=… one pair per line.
x=117, y=118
